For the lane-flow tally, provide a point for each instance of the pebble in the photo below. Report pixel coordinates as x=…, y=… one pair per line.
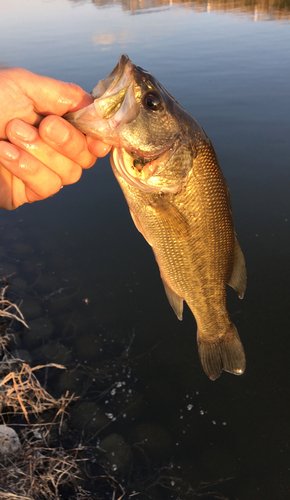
x=9, y=440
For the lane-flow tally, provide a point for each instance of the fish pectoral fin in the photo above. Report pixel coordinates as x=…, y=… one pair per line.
x=238, y=279
x=170, y=218
x=139, y=225
x=175, y=301
x=224, y=353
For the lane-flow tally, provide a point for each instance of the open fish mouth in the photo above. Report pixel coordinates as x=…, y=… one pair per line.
x=114, y=105
x=110, y=92
x=110, y=84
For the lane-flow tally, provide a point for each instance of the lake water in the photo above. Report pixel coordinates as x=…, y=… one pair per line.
x=179, y=435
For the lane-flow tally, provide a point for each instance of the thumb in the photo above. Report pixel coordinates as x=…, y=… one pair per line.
x=51, y=96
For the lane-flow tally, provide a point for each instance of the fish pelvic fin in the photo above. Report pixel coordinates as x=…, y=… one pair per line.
x=139, y=225
x=238, y=279
x=175, y=301
x=170, y=218
x=225, y=353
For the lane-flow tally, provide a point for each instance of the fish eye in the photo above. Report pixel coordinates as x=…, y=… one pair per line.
x=152, y=101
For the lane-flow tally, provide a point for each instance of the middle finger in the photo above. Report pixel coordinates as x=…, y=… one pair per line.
x=27, y=137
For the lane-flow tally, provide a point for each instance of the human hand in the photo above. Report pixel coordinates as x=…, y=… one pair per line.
x=44, y=151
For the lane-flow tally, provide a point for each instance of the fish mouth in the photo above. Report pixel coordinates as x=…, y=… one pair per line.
x=110, y=83
x=114, y=105
x=110, y=92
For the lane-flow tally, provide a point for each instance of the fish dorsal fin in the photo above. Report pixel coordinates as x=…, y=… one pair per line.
x=170, y=218
x=238, y=279
x=175, y=301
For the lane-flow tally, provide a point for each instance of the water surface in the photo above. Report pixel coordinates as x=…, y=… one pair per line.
x=228, y=64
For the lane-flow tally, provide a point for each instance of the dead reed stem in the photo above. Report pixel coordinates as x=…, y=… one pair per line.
x=22, y=392
x=6, y=306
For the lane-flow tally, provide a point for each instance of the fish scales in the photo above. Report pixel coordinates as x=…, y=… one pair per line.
x=186, y=262
x=178, y=199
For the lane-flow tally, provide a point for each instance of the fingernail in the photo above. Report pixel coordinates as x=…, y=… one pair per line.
x=8, y=151
x=23, y=131
x=106, y=148
x=57, y=131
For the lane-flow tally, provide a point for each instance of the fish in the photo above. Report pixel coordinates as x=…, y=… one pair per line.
x=179, y=200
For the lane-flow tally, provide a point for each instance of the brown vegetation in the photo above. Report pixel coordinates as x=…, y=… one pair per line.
x=36, y=471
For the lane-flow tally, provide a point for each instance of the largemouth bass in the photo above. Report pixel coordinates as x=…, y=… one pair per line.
x=178, y=199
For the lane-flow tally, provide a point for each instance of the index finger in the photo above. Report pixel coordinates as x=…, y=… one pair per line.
x=66, y=139
x=50, y=96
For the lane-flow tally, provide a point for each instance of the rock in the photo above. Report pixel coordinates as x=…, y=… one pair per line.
x=117, y=452
x=56, y=352
x=154, y=438
x=88, y=417
x=40, y=330
x=72, y=381
x=89, y=346
x=9, y=441
x=31, y=308
x=7, y=269
x=22, y=354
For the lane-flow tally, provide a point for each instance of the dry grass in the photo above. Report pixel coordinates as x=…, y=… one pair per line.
x=22, y=393
x=37, y=471
x=6, y=307
x=20, y=390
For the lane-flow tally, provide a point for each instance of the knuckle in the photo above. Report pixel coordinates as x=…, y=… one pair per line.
x=73, y=175
x=47, y=189
x=88, y=162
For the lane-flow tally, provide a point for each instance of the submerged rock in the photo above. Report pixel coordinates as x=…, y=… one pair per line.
x=71, y=380
x=89, y=346
x=117, y=452
x=153, y=438
x=31, y=308
x=57, y=353
x=88, y=417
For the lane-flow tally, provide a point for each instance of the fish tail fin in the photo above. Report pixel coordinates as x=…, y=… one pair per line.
x=225, y=353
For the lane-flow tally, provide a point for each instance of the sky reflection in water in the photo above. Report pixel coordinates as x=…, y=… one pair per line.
x=233, y=75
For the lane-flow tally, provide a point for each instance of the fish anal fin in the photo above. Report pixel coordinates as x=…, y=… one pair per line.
x=139, y=225
x=238, y=279
x=175, y=301
x=226, y=353
x=170, y=218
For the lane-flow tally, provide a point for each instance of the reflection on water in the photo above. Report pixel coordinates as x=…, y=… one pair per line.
x=105, y=39
x=258, y=10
